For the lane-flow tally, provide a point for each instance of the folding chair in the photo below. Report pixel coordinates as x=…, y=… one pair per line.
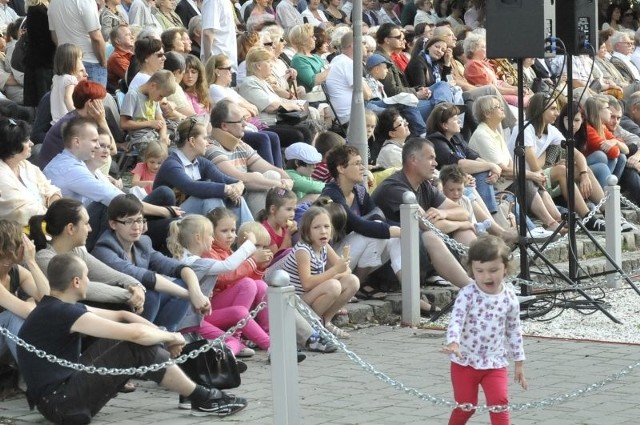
x=336, y=125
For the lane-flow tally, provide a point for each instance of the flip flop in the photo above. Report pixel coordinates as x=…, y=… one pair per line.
x=342, y=312
x=370, y=293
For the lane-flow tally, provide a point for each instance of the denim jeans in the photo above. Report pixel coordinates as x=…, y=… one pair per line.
x=486, y=190
x=195, y=205
x=599, y=164
x=267, y=144
x=165, y=310
x=96, y=72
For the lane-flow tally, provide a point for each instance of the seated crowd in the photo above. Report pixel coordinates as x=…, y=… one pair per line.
x=226, y=110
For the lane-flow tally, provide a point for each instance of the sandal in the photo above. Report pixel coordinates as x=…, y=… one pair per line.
x=554, y=225
x=436, y=280
x=428, y=311
x=370, y=293
x=342, y=312
x=337, y=331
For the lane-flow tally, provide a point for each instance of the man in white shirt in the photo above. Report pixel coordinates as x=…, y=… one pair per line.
x=78, y=22
x=340, y=80
x=621, y=58
x=68, y=171
x=219, y=31
x=635, y=56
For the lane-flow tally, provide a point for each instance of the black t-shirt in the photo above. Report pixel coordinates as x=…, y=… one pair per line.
x=388, y=195
x=48, y=328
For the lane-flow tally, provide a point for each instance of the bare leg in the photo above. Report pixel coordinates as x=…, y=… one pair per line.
x=349, y=286
x=175, y=380
x=443, y=261
x=322, y=297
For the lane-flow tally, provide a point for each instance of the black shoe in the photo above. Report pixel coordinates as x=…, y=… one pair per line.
x=226, y=405
x=595, y=225
x=184, y=402
x=301, y=357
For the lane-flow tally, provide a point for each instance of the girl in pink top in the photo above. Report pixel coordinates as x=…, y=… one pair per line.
x=194, y=84
x=144, y=174
x=277, y=218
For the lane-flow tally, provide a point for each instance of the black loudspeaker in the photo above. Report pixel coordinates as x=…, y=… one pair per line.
x=515, y=28
x=579, y=25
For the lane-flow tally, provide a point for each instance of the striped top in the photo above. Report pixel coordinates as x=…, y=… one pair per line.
x=291, y=265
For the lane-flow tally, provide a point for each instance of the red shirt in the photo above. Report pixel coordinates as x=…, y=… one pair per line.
x=595, y=141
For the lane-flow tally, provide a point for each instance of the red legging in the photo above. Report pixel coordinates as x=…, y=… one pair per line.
x=466, y=379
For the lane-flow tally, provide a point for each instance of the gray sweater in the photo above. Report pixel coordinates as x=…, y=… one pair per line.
x=106, y=284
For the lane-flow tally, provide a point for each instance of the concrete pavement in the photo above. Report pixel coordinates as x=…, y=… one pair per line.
x=334, y=390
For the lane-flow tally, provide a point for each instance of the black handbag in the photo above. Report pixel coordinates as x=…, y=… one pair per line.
x=291, y=117
x=215, y=368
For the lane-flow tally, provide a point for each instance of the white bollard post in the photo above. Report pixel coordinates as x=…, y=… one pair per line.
x=284, y=367
x=613, y=233
x=409, y=239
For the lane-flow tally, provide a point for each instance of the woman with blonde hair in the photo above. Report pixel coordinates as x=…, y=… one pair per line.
x=312, y=69
x=246, y=41
x=601, y=145
x=266, y=143
x=256, y=90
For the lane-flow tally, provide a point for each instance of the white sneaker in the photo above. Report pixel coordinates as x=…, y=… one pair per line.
x=625, y=226
x=246, y=352
x=540, y=233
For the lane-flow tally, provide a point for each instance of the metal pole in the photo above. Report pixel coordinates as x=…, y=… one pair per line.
x=357, y=132
x=284, y=367
x=409, y=239
x=613, y=236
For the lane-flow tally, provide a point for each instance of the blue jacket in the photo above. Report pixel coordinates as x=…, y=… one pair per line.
x=211, y=184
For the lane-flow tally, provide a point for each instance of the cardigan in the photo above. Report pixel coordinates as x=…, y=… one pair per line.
x=365, y=205
x=16, y=204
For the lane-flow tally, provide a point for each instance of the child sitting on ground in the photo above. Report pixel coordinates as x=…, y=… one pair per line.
x=278, y=218
x=301, y=162
x=190, y=240
x=144, y=173
x=321, y=277
x=141, y=115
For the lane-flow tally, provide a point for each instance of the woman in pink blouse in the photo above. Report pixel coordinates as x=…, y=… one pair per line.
x=479, y=73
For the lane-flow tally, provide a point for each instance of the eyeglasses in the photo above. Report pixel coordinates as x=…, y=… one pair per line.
x=131, y=221
x=628, y=43
x=494, y=107
x=397, y=37
x=270, y=43
x=357, y=164
x=194, y=121
x=225, y=68
x=402, y=123
x=242, y=120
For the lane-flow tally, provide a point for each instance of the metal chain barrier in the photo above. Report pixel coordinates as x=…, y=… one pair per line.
x=131, y=370
x=629, y=203
x=467, y=407
x=453, y=244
